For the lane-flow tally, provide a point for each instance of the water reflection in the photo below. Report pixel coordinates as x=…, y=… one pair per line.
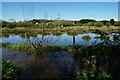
x=59, y=39
x=58, y=64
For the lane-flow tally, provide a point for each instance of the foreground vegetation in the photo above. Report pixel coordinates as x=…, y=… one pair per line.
x=98, y=60
x=10, y=71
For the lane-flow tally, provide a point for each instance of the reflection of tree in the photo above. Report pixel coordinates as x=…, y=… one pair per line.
x=102, y=34
x=73, y=39
x=86, y=38
x=116, y=37
x=39, y=42
x=102, y=38
x=25, y=35
x=39, y=58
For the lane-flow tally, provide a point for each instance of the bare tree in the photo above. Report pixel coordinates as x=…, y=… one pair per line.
x=28, y=12
x=58, y=21
x=45, y=19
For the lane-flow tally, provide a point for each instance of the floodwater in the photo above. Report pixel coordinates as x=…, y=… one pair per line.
x=55, y=65
x=61, y=40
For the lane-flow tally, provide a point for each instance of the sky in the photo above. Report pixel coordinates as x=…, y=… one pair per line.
x=67, y=10
x=60, y=0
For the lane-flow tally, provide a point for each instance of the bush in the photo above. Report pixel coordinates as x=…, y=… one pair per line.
x=10, y=71
x=86, y=20
x=93, y=75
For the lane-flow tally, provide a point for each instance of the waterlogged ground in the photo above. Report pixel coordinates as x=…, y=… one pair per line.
x=55, y=65
x=61, y=40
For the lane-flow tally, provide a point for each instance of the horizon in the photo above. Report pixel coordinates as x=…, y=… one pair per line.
x=63, y=20
x=67, y=10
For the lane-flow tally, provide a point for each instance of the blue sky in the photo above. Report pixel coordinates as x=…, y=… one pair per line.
x=66, y=10
x=60, y=0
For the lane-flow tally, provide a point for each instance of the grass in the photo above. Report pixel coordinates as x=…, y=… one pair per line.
x=29, y=47
x=57, y=34
x=86, y=38
x=61, y=30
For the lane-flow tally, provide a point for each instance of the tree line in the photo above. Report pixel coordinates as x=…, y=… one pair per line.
x=60, y=23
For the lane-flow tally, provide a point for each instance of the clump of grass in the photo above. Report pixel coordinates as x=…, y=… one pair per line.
x=86, y=38
x=97, y=37
x=21, y=47
x=51, y=48
x=45, y=33
x=57, y=34
x=30, y=47
x=72, y=33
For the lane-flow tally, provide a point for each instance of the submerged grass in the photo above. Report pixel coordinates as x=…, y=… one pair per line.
x=29, y=47
x=21, y=47
x=86, y=38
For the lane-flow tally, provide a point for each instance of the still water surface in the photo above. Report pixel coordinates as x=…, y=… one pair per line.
x=56, y=65
x=62, y=40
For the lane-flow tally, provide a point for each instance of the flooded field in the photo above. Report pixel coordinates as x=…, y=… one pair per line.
x=57, y=65
x=59, y=40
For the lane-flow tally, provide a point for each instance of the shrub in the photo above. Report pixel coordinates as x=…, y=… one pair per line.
x=93, y=75
x=10, y=71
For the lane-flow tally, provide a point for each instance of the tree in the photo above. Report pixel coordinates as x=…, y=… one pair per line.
x=86, y=20
x=105, y=22
x=112, y=22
